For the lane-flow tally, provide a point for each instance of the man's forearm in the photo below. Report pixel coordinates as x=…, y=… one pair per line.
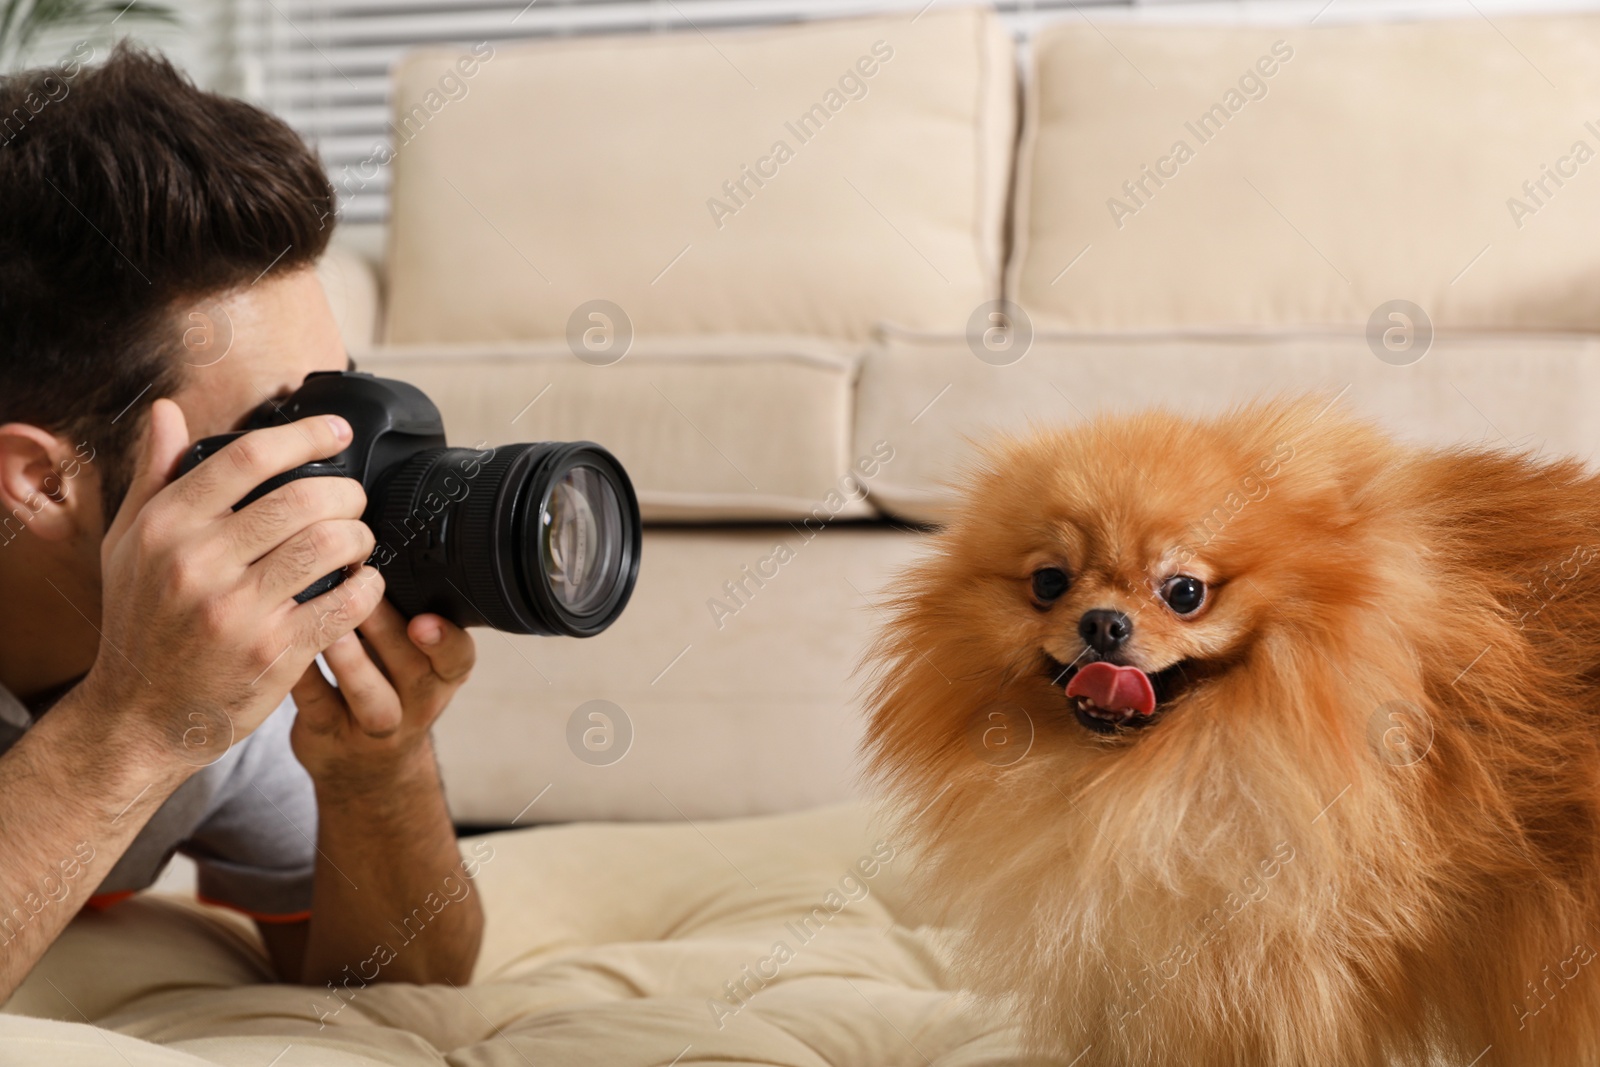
x=75, y=791
x=391, y=899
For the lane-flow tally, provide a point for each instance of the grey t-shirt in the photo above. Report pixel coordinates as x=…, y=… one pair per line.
x=249, y=821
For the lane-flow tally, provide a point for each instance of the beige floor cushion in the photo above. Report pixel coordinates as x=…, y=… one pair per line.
x=726, y=686
x=804, y=179
x=1307, y=174
x=933, y=397
x=709, y=429
x=785, y=942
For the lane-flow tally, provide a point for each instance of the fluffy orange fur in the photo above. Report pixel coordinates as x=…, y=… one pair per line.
x=1366, y=828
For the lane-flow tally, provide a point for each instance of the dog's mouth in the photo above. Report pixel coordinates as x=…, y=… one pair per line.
x=1109, y=698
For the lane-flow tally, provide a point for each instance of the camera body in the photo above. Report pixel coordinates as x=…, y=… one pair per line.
x=527, y=538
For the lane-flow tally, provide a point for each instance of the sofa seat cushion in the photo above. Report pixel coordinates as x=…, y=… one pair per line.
x=932, y=397
x=727, y=684
x=708, y=429
x=784, y=942
x=1291, y=175
x=809, y=179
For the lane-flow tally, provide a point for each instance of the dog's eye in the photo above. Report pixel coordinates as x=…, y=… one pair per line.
x=1049, y=583
x=1183, y=594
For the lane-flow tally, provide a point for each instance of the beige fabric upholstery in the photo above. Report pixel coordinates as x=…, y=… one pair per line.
x=1526, y=391
x=351, y=283
x=603, y=945
x=739, y=702
x=709, y=429
x=1376, y=162
x=561, y=172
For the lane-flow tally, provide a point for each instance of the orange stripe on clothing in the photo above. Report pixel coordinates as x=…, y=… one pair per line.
x=102, y=901
x=260, y=917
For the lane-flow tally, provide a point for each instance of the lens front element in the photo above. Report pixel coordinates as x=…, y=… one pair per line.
x=582, y=531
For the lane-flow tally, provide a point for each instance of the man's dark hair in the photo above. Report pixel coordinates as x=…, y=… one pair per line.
x=126, y=194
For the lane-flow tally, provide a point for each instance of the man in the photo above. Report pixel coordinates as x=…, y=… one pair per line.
x=159, y=686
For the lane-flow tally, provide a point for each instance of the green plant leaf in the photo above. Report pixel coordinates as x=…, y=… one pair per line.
x=22, y=22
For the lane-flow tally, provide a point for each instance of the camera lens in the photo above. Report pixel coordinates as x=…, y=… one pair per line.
x=582, y=538
x=528, y=538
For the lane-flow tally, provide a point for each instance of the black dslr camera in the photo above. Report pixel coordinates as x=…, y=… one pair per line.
x=528, y=538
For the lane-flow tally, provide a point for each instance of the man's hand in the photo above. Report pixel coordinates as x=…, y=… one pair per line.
x=377, y=721
x=202, y=636
x=387, y=859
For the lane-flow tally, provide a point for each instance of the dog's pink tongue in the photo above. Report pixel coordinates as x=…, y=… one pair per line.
x=1114, y=688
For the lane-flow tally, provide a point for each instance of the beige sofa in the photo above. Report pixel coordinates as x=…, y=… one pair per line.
x=801, y=236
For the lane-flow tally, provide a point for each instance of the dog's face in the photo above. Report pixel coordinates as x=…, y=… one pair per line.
x=1128, y=600
x=1126, y=574
x=1104, y=578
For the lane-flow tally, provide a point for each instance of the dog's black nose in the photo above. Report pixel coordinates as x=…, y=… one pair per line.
x=1104, y=630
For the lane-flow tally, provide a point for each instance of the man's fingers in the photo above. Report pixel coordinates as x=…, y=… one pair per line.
x=245, y=462
x=311, y=554
x=385, y=631
x=289, y=509
x=450, y=649
x=166, y=439
x=319, y=707
x=373, y=704
x=325, y=619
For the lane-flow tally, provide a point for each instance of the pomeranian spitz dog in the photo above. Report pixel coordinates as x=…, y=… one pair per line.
x=1259, y=741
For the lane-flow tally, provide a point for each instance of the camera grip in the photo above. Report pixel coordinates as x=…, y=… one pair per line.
x=205, y=448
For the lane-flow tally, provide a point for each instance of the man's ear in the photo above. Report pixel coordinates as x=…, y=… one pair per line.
x=47, y=486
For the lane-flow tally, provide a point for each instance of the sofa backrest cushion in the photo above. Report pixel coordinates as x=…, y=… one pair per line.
x=807, y=179
x=1182, y=176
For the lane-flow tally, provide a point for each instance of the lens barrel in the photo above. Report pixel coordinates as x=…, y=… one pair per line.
x=528, y=538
